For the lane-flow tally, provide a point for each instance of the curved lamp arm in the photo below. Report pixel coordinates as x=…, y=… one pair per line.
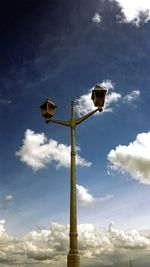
x=78, y=121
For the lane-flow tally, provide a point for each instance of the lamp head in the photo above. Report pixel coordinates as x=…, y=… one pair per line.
x=98, y=96
x=48, y=109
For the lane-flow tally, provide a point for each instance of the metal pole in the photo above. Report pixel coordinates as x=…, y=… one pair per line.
x=73, y=259
x=130, y=262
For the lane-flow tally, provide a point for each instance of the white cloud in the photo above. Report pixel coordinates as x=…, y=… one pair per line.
x=131, y=97
x=47, y=244
x=84, y=104
x=37, y=151
x=2, y=229
x=85, y=198
x=8, y=245
x=128, y=239
x=111, y=98
x=4, y=101
x=133, y=159
x=132, y=10
x=52, y=245
x=96, y=18
x=94, y=244
x=8, y=197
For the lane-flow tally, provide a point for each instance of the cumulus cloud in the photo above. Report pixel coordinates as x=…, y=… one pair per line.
x=127, y=239
x=96, y=18
x=135, y=11
x=86, y=199
x=37, y=151
x=52, y=245
x=2, y=229
x=112, y=98
x=131, y=97
x=133, y=159
x=8, y=245
x=94, y=243
x=47, y=244
x=84, y=104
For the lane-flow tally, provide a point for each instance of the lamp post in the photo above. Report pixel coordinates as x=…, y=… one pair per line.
x=130, y=262
x=47, y=110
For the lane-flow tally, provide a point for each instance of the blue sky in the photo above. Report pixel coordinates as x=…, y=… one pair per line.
x=62, y=50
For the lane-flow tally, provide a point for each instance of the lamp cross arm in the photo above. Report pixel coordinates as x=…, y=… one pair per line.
x=65, y=123
x=78, y=121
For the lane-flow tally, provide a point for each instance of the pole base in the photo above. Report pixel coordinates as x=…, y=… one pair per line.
x=73, y=259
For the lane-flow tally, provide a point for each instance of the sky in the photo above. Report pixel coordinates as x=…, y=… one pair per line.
x=61, y=50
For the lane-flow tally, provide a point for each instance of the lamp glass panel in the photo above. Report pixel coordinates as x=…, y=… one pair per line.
x=99, y=94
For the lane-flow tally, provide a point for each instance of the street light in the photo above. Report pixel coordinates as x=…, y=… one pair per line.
x=47, y=110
